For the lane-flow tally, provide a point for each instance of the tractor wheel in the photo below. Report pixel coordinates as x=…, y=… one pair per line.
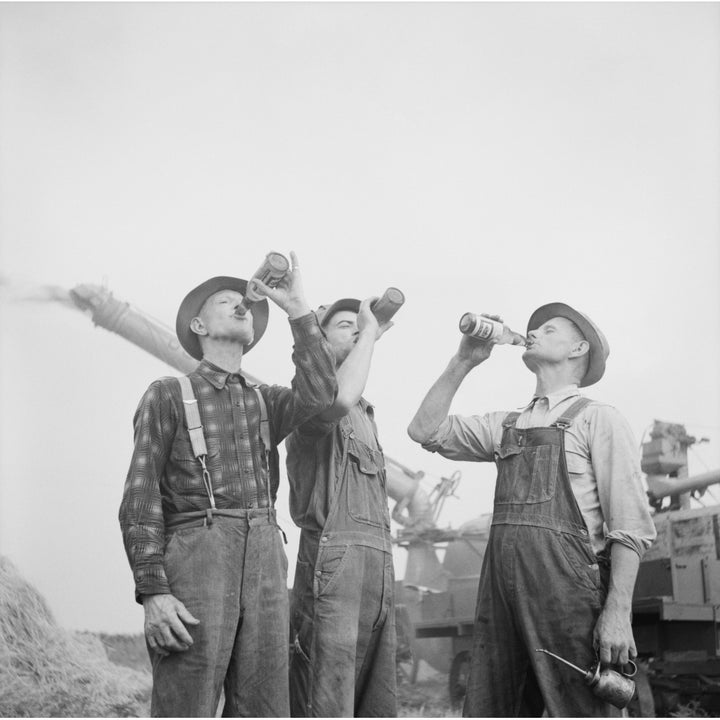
x=458, y=678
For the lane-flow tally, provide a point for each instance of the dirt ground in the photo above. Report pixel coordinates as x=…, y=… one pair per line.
x=427, y=697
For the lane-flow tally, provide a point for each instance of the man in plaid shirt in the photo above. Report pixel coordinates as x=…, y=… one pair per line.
x=200, y=532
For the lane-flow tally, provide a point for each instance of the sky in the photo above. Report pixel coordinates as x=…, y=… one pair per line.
x=480, y=157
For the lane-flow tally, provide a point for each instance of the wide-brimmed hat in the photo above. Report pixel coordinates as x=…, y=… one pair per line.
x=195, y=299
x=325, y=312
x=599, y=347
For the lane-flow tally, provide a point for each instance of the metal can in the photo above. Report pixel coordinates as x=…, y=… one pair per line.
x=611, y=686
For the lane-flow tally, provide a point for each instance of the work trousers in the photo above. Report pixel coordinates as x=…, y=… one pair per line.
x=549, y=597
x=232, y=576
x=344, y=632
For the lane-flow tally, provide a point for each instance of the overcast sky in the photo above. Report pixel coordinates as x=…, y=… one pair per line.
x=480, y=157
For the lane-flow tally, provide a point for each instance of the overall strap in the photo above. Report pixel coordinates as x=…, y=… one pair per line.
x=566, y=419
x=511, y=419
x=197, y=437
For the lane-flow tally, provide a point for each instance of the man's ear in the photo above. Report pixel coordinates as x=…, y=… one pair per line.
x=581, y=347
x=197, y=326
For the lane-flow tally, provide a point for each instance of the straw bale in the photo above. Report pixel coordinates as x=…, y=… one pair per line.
x=46, y=671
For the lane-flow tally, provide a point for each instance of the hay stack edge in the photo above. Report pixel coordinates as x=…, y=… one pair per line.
x=46, y=671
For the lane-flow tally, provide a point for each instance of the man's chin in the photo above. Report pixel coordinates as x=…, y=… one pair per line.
x=529, y=360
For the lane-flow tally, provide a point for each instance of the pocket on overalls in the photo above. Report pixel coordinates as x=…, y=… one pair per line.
x=544, y=473
x=328, y=568
x=366, y=497
x=507, y=458
x=301, y=607
x=528, y=474
x=583, y=563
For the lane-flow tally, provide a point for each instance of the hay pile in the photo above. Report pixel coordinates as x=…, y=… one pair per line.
x=46, y=671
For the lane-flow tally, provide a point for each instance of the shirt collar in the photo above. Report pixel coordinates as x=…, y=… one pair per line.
x=218, y=377
x=555, y=398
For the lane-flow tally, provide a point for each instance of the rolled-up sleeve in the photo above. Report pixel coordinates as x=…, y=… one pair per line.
x=615, y=461
x=472, y=438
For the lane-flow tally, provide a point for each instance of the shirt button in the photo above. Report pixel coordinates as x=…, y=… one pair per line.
x=318, y=573
x=324, y=538
x=584, y=532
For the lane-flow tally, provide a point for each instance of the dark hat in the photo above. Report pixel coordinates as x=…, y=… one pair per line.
x=325, y=312
x=195, y=299
x=599, y=348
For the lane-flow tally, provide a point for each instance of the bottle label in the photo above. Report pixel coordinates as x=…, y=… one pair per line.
x=480, y=327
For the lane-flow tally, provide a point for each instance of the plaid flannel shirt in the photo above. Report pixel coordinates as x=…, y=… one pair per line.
x=165, y=477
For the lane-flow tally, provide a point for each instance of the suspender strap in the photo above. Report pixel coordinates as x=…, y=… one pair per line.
x=192, y=417
x=566, y=419
x=197, y=437
x=264, y=424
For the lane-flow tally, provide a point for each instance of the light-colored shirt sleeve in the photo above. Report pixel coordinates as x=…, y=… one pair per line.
x=615, y=461
x=472, y=438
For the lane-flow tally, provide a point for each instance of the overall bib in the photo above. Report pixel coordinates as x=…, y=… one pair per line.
x=541, y=586
x=342, y=611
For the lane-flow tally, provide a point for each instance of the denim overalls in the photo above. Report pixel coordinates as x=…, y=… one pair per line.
x=541, y=586
x=342, y=611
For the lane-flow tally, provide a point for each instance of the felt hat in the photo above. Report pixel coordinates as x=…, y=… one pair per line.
x=195, y=299
x=599, y=347
x=325, y=312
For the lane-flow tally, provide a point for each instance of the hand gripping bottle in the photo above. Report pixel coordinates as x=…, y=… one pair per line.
x=484, y=328
x=271, y=272
x=386, y=306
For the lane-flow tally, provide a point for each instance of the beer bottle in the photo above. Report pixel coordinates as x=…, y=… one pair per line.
x=386, y=306
x=271, y=272
x=484, y=328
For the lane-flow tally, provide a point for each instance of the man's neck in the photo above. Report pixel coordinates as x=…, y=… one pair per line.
x=551, y=379
x=226, y=356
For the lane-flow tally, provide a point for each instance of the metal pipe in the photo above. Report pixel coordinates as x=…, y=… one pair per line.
x=660, y=486
x=136, y=326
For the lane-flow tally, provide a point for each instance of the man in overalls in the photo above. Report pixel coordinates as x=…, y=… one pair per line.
x=570, y=522
x=342, y=612
x=197, y=512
